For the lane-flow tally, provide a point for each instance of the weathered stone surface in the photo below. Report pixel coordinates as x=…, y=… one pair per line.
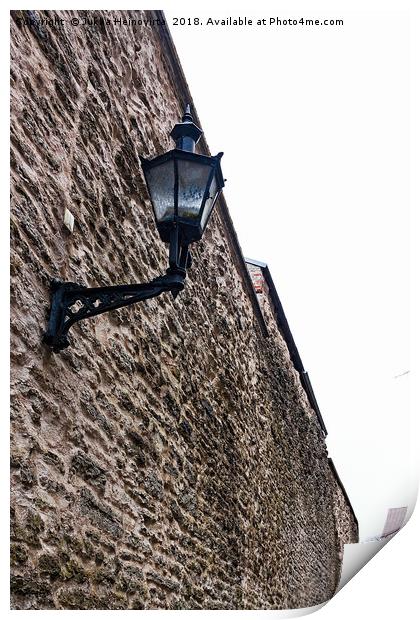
x=87, y=469
x=169, y=458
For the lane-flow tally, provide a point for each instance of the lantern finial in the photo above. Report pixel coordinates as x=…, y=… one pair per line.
x=187, y=118
x=186, y=134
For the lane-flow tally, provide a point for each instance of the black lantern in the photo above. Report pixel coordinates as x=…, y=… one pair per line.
x=183, y=188
x=183, y=185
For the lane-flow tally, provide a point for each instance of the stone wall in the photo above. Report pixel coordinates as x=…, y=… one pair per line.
x=347, y=527
x=345, y=519
x=168, y=458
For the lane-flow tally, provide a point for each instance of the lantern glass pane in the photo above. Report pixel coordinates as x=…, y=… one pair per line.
x=160, y=180
x=213, y=193
x=193, y=177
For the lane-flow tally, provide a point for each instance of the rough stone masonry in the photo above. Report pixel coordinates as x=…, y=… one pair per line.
x=168, y=459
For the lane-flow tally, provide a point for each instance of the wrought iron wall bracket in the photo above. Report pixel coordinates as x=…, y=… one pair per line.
x=72, y=302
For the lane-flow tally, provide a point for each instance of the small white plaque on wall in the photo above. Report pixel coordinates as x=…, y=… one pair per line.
x=68, y=220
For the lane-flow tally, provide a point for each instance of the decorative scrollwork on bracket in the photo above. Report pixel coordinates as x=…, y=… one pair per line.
x=90, y=302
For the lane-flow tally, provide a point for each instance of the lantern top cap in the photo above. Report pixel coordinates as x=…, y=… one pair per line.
x=186, y=129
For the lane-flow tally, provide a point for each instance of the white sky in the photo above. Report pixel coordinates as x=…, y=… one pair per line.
x=314, y=124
